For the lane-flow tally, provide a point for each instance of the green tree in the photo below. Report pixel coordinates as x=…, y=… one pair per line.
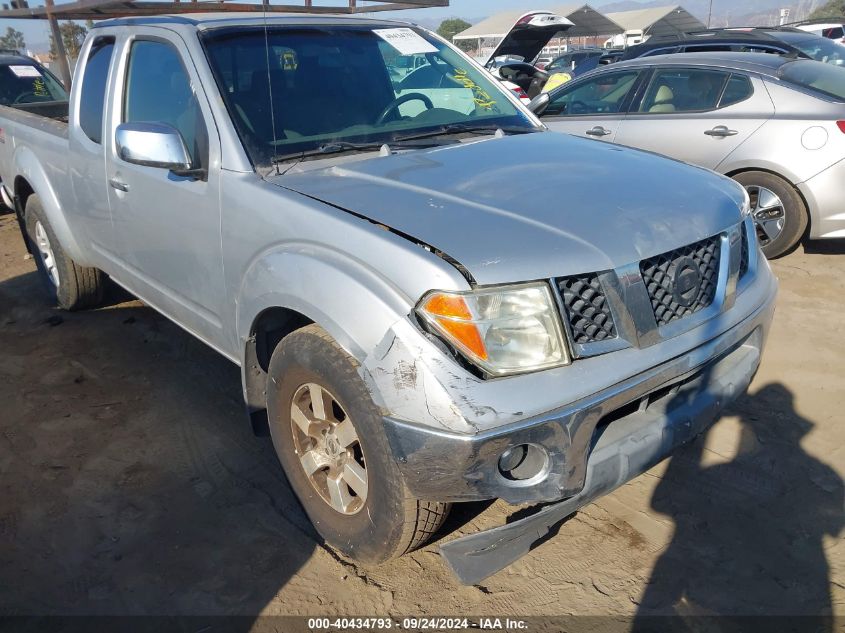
x=12, y=40
x=833, y=9
x=451, y=27
x=73, y=35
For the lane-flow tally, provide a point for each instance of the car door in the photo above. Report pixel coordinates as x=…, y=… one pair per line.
x=168, y=226
x=593, y=107
x=698, y=115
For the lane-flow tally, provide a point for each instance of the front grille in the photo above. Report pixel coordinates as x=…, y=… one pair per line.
x=587, y=311
x=743, y=253
x=662, y=273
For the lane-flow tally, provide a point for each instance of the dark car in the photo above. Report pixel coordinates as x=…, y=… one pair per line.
x=27, y=85
x=712, y=41
x=571, y=59
x=777, y=40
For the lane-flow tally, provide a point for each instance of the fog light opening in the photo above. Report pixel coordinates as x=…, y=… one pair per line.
x=521, y=462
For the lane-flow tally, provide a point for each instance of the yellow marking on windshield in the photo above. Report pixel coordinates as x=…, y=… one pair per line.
x=482, y=97
x=39, y=88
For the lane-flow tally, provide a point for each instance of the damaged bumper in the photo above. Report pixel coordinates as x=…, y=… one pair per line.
x=592, y=446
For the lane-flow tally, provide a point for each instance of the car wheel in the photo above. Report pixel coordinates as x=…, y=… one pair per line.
x=329, y=437
x=779, y=212
x=71, y=286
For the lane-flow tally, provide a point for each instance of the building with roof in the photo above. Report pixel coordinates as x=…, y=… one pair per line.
x=668, y=20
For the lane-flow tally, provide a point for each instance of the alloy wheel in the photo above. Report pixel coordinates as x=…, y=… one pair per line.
x=328, y=447
x=45, y=251
x=768, y=213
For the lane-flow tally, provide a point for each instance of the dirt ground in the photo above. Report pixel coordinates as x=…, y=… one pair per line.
x=130, y=483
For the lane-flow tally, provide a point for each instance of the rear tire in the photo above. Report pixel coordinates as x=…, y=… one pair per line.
x=780, y=225
x=71, y=286
x=367, y=522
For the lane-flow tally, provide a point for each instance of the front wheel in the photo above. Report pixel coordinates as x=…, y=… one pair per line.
x=778, y=211
x=329, y=437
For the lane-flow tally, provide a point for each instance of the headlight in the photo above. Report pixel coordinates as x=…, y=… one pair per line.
x=503, y=330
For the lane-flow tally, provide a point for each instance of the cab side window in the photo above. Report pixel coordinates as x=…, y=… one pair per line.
x=158, y=90
x=94, y=81
x=601, y=95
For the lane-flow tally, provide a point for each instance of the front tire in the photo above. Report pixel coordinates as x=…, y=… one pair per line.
x=329, y=437
x=779, y=213
x=71, y=286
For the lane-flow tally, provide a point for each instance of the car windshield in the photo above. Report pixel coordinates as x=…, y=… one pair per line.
x=819, y=48
x=27, y=83
x=304, y=89
x=824, y=78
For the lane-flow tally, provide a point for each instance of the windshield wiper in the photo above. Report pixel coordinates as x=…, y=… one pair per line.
x=341, y=147
x=464, y=128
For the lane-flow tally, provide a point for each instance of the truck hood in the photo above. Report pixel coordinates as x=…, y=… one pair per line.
x=532, y=206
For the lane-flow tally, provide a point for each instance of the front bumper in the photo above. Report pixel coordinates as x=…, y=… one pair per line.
x=619, y=452
x=444, y=466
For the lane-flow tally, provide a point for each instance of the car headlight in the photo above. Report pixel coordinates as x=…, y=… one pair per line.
x=502, y=330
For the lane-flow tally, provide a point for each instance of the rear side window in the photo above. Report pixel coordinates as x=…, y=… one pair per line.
x=94, y=80
x=738, y=89
x=158, y=90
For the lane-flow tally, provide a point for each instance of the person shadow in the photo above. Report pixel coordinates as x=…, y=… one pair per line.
x=749, y=534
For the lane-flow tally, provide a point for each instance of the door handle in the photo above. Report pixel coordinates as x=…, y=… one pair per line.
x=117, y=184
x=721, y=131
x=598, y=131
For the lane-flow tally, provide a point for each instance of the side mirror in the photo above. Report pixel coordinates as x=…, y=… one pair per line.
x=538, y=104
x=153, y=145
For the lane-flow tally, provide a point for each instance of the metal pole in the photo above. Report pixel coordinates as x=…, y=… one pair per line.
x=64, y=68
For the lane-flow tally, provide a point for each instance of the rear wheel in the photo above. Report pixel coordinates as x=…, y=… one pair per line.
x=71, y=286
x=330, y=439
x=779, y=212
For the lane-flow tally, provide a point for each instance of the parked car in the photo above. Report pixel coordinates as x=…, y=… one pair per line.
x=831, y=30
x=542, y=61
x=778, y=40
x=570, y=60
x=774, y=124
x=26, y=83
x=410, y=332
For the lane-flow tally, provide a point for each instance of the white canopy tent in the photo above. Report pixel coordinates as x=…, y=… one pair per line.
x=669, y=20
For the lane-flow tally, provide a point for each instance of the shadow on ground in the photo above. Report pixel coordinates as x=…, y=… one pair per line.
x=132, y=483
x=749, y=533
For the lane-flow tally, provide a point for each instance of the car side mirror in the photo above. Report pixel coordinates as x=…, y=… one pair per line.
x=154, y=145
x=538, y=104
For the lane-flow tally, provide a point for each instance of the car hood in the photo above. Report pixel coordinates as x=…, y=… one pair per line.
x=529, y=34
x=533, y=206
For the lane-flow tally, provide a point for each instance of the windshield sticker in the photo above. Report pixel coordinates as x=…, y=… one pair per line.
x=406, y=41
x=25, y=71
x=482, y=97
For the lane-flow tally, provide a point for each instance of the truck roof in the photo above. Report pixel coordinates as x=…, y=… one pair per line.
x=204, y=21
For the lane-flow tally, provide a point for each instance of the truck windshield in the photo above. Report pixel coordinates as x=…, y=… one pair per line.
x=27, y=83
x=296, y=90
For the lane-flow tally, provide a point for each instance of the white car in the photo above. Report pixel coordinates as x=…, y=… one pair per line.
x=831, y=30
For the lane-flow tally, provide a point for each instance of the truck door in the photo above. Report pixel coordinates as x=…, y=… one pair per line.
x=168, y=226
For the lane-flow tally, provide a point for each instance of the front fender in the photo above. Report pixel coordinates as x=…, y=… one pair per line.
x=351, y=301
x=29, y=167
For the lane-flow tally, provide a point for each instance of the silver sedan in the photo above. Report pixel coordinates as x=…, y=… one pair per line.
x=774, y=124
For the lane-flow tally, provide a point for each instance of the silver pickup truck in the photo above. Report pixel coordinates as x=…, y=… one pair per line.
x=433, y=299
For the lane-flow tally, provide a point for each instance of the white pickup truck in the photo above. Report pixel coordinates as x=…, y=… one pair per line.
x=416, y=325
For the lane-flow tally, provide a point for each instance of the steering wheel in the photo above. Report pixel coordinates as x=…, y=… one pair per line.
x=398, y=101
x=22, y=95
x=579, y=107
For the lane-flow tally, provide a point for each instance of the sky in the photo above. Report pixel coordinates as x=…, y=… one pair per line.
x=37, y=37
